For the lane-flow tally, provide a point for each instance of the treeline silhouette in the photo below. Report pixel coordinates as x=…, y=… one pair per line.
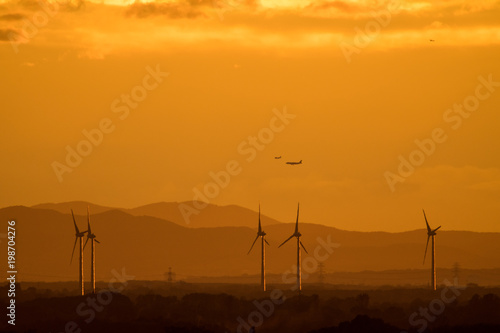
x=147, y=311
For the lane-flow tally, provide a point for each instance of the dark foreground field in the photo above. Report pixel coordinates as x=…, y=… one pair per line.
x=204, y=308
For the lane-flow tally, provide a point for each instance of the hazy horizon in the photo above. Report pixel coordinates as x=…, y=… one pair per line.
x=392, y=107
x=288, y=221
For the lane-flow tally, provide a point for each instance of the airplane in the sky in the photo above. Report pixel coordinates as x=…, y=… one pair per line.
x=277, y=157
x=294, y=163
x=431, y=40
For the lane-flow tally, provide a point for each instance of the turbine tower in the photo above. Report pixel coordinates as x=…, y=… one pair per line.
x=262, y=235
x=297, y=234
x=431, y=233
x=91, y=236
x=80, y=235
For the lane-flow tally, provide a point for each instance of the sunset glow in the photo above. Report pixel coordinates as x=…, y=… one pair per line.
x=365, y=79
x=210, y=166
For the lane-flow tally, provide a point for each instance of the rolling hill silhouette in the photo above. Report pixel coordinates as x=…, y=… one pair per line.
x=146, y=246
x=210, y=216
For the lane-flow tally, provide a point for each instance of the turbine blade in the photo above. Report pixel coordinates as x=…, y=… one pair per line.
x=72, y=253
x=436, y=229
x=74, y=222
x=97, y=241
x=86, y=242
x=267, y=242
x=303, y=247
x=287, y=240
x=425, y=253
x=297, y=221
x=260, y=228
x=427, y=223
x=253, y=244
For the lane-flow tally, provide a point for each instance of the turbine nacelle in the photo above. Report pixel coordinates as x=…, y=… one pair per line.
x=90, y=235
x=78, y=234
x=296, y=234
x=260, y=233
x=430, y=233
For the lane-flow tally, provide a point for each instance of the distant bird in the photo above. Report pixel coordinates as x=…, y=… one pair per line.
x=294, y=163
x=431, y=233
x=431, y=40
x=91, y=236
x=277, y=157
x=262, y=235
x=297, y=234
x=79, y=234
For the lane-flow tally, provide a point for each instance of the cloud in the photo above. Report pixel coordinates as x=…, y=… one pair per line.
x=170, y=10
x=436, y=25
x=12, y=17
x=38, y=5
x=321, y=24
x=213, y=3
x=94, y=53
x=416, y=8
x=8, y=35
x=72, y=5
x=190, y=9
x=26, y=4
x=328, y=6
x=476, y=6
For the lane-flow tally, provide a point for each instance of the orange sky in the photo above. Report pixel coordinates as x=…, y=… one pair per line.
x=360, y=100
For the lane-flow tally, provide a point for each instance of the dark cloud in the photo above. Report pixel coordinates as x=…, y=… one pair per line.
x=213, y=3
x=171, y=10
x=340, y=6
x=63, y=5
x=186, y=9
x=197, y=3
x=72, y=5
x=8, y=35
x=12, y=17
x=323, y=7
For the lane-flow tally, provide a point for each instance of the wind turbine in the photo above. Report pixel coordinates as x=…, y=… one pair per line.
x=261, y=234
x=80, y=235
x=299, y=244
x=431, y=233
x=91, y=236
